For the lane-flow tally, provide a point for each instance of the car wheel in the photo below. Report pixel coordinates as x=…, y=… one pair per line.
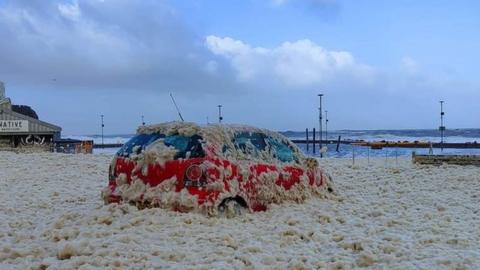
x=231, y=208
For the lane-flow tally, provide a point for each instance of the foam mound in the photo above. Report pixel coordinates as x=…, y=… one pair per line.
x=385, y=216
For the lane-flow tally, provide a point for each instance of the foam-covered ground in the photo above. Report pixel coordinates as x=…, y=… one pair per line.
x=386, y=216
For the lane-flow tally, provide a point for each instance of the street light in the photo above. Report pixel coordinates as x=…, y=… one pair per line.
x=320, y=123
x=220, y=118
x=442, y=127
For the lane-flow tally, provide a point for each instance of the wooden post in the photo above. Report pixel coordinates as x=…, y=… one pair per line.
x=396, y=156
x=353, y=154
x=313, y=143
x=338, y=143
x=368, y=153
x=306, y=135
x=386, y=157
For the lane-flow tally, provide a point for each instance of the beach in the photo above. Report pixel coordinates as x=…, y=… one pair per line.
x=387, y=214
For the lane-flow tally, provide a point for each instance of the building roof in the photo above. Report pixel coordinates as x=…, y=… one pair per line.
x=35, y=125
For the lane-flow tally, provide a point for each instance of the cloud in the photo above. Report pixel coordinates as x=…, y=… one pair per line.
x=326, y=9
x=317, y=3
x=70, y=10
x=409, y=66
x=110, y=44
x=144, y=45
x=279, y=2
x=297, y=64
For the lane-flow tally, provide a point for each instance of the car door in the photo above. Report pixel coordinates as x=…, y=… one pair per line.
x=286, y=162
x=257, y=175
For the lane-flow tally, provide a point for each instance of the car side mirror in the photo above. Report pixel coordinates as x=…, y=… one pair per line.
x=311, y=163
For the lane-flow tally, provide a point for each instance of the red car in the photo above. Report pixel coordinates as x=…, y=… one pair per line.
x=215, y=169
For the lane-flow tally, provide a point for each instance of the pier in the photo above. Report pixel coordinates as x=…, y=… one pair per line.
x=107, y=145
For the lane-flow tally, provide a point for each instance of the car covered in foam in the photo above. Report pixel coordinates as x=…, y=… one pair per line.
x=214, y=169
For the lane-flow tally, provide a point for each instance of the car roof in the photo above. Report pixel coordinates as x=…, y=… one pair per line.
x=190, y=128
x=209, y=132
x=218, y=135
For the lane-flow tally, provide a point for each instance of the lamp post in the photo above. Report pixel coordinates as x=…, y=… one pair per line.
x=220, y=118
x=442, y=127
x=320, y=123
x=103, y=125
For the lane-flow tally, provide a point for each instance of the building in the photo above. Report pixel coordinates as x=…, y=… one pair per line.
x=23, y=130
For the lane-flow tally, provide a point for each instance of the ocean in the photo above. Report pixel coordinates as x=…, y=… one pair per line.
x=347, y=151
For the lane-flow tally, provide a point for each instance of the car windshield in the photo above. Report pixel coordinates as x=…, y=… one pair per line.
x=187, y=147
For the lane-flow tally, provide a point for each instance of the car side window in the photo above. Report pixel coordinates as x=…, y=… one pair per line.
x=281, y=150
x=250, y=143
x=188, y=147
